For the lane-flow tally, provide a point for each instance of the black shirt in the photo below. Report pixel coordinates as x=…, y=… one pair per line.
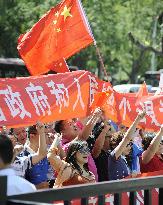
x=102, y=166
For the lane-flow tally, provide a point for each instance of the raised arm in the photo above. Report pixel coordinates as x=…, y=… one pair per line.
x=100, y=141
x=53, y=154
x=128, y=135
x=90, y=124
x=153, y=147
x=42, y=150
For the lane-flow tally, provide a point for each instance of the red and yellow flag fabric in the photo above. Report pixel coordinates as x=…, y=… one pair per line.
x=60, y=33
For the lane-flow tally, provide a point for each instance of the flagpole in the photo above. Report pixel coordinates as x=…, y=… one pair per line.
x=101, y=61
x=97, y=49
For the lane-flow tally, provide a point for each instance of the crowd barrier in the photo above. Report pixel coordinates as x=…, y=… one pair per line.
x=137, y=191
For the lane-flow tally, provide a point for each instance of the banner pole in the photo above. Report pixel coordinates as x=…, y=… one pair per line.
x=101, y=61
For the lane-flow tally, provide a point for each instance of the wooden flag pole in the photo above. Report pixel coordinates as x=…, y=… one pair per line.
x=101, y=61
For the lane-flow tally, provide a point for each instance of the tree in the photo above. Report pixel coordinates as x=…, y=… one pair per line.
x=110, y=20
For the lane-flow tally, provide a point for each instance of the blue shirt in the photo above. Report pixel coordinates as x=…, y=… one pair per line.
x=38, y=172
x=136, y=152
x=117, y=169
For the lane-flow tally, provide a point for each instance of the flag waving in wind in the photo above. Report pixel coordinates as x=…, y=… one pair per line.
x=59, y=34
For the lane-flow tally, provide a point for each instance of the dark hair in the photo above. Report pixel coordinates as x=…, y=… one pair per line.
x=116, y=138
x=59, y=126
x=6, y=149
x=32, y=130
x=146, y=142
x=11, y=132
x=70, y=158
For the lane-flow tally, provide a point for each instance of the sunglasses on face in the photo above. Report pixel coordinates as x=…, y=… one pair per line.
x=84, y=150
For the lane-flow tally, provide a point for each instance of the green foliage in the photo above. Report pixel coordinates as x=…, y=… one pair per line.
x=110, y=20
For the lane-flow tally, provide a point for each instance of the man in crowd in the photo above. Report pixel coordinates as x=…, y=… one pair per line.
x=15, y=184
x=27, y=156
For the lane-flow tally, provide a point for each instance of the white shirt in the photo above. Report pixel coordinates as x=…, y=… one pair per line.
x=21, y=164
x=16, y=184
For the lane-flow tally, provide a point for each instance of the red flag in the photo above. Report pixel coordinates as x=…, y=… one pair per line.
x=143, y=91
x=59, y=34
x=60, y=66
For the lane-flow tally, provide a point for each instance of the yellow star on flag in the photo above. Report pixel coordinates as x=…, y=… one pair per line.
x=57, y=14
x=66, y=12
x=58, y=30
x=55, y=22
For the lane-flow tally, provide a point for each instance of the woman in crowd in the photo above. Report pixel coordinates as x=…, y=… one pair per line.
x=73, y=170
x=152, y=157
x=120, y=144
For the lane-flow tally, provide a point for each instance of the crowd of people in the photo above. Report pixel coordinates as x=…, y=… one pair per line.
x=77, y=151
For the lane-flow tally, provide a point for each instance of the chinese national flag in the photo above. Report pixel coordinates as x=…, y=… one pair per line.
x=59, y=34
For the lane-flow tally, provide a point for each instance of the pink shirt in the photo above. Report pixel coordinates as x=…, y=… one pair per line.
x=91, y=164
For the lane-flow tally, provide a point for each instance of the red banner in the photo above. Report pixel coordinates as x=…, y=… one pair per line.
x=55, y=97
x=123, y=108
x=47, y=98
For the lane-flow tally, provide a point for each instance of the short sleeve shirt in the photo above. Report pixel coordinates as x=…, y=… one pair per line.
x=38, y=172
x=117, y=168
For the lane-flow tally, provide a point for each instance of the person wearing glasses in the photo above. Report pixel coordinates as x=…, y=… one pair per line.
x=73, y=170
x=152, y=157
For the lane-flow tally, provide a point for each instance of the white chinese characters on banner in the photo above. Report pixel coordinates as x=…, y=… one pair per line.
x=2, y=116
x=79, y=97
x=148, y=105
x=125, y=104
x=139, y=109
x=106, y=87
x=93, y=88
x=61, y=94
x=111, y=102
x=39, y=99
x=14, y=103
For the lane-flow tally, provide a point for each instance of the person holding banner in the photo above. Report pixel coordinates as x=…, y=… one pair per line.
x=152, y=157
x=120, y=144
x=73, y=170
x=70, y=130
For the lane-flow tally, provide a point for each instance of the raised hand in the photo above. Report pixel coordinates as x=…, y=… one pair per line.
x=40, y=127
x=97, y=112
x=107, y=126
x=141, y=114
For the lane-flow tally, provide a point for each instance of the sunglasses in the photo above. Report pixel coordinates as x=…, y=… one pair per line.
x=84, y=150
